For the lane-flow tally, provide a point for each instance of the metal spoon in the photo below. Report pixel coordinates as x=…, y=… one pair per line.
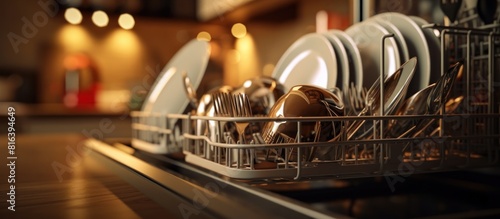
x=190, y=91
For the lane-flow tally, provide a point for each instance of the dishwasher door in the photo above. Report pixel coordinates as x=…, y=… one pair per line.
x=195, y=192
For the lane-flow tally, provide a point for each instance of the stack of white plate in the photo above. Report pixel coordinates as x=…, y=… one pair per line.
x=326, y=60
x=416, y=42
x=354, y=56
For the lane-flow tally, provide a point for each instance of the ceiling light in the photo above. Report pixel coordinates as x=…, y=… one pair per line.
x=203, y=35
x=73, y=16
x=239, y=30
x=126, y=21
x=100, y=18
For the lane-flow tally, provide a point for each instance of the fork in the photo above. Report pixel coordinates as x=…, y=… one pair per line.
x=356, y=99
x=234, y=105
x=241, y=108
x=221, y=109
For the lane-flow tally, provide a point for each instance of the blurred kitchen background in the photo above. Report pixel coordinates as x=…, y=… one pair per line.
x=67, y=64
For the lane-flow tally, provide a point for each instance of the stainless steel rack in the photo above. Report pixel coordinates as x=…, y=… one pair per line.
x=464, y=136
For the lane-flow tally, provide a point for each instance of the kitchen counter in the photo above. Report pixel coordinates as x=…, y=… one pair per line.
x=56, y=118
x=55, y=109
x=55, y=177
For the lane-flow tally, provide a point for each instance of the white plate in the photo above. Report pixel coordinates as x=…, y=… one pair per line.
x=308, y=61
x=434, y=49
x=355, y=65
x=342, y=60
x=417, y=47
x=167, y=93
x=398, y=36
x=367, y=36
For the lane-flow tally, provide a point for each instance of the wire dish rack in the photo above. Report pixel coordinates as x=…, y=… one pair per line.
x=465, y=133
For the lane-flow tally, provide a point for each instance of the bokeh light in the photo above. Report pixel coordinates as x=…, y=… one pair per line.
x=100, y=18
x=73, y=16
x=126, y=21
x=203, y=35
x=239, y=30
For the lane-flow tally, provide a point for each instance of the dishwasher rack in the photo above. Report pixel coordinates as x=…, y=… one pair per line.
x=465, y=133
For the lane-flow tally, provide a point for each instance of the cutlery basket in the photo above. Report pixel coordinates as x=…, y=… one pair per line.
x=460, y=141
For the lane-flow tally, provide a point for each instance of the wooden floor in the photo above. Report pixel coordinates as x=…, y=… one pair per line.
x=84, y=189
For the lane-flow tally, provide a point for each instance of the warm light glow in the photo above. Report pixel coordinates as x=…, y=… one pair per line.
x=74, y=38
x=73, y=16
x=234, y=55
x=100, y=18
x=122, y=54
x=126, y=21
x=203, y=35
x=126, y=42
x=248, y=65
x=239, y=30
x=231, y=64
